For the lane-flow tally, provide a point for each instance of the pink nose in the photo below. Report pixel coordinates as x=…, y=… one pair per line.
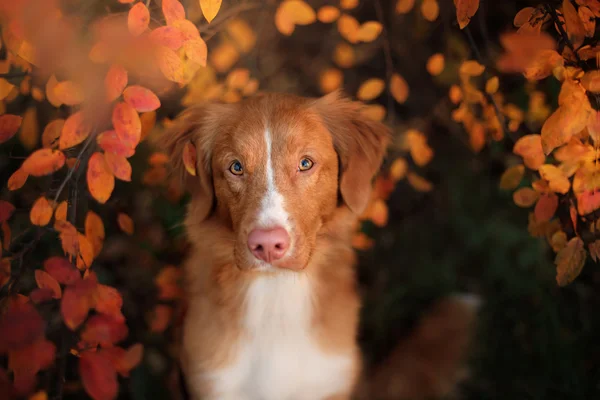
x=269, y=244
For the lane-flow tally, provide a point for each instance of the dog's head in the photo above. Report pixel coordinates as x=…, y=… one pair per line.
x=274, y=168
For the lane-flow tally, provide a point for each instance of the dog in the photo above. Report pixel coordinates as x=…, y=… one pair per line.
x=272, y=302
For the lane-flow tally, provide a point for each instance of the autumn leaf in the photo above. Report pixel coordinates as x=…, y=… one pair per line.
x=545, y=207
x=98, y=376
x=330, y=80
x=328, y=14
x=471, y=68
x=9, y=126
x=430, y=9
x=52, y=132
x=115, y=81
x=173, y=11
x=530, y=148
x=110, y=142
x=20, y=326
x=125, y=223
x=41, y=212
x=189, y=158
x=399, y=88
x=138, y=19
x=404, y=6
x=556, y=178
x=169, y=64
x=188, y=29
x=465, y=9
x=61, y=270
x=101, y=181
x=523, y=16
x=565, y=122
x=94, y=231
x=492, y=85
x=369, y=31
x=75, y=130
x=570, y=261
x=511, y=178
x=419, y=183
x=127, y=124
x=370, y=89
x=168, y=282
x=69, y=93
x=68, y=236
x=435, y=64
x=161, y=318
x=60, y=214
x=119, y=166
x=104, y=330
x=140, y=98
x=348, y=27
x=17, y=179
x=28, y=361
x=86, y=252
x=398, y=169
x=77, y=301
x=588, y=20
x=543, y=64
x=573, y=24
x=210, y=8
x=43, y=162
x=525, y=197
x=45, y=281
x=168, y=36
x=298, y=11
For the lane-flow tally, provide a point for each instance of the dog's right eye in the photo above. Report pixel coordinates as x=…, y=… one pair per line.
x=236, y=168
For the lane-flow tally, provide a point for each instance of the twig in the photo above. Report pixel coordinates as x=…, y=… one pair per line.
x=10, y=75
x=552, y=11
x=389, y=64
x=14, y=280
x=75, y=167
x=222, y=17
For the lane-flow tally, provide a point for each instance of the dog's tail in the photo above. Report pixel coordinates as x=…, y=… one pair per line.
x=430, y=363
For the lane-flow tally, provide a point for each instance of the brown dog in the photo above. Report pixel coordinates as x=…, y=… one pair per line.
x=272, y=299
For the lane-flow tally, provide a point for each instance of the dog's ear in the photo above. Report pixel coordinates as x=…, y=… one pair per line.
x=360, y=143
x=199, y=125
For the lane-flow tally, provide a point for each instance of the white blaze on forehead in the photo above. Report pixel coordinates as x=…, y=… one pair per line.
x=272, y=209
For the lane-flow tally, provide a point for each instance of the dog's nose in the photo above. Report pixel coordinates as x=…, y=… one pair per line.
x=269, y=244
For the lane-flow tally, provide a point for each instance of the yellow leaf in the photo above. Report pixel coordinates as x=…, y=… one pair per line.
x=41, y=212
x=330, y=80
x=430, y=10
x=125, y=223
x=465, y=9
x=223, y=57
x=525, y=197
x=242, y=34
x=370, y=89
x=348, y=4
x=298, y=12
x=492, y=85
x=512, y=177
x=283, y=22
x=369, y=31
x=570, y=261
x=404, y=6
x=557, y=180
x=398, y=169
x=435, y=64
x=471, y=68
x=399, y=88
x=344, y=55
x=328, y=14
x=210, y=8
x=348, y=27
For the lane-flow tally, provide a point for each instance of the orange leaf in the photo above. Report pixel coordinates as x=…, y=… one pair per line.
x=588, y=20
x=62, y=270
x=556, y=178
x=369, y=31
x=348, y=4
x=125, y=223
x=546, y=207
x=210, y=8
x=94, y=231
x=168, y=283
x=68, y=236
x=119, y=166
x=86, y=252
x=593, y=126
x=77, y=301
x=399, y=88
x=419, y=183
x=108, y=301
x=60, y=214
x=189, y=30
x=43, y=162
x=17, y=179
x=74, y=131
x=69, y=93
x=328, y=14
x=565, y=122
x=570, y=261
x=370, y=89
x=138, y=19
x=404, y=6
x=588, y=201
x=543, y=64
x=530, y=148
x=173, y=11
x=591, y=81
x=127, y=124
x=45, y=280
x=348, y=27
x=435, y=64
x=9, y=125
x=420, y=151
x=360, y=241
x=196, y=50
x=471, y=68
x=331, y=79
x=161, y=318
x=430, y=10
x=523, y=16
x=465, y=9
x=140, y=98
x=110, y=142
x=525, y=197
x=298, y=12
x=168, y=36
x=98, y=376
x=115, y=81
x=41, y=212
x=398, y=169
x=101, y=181
x=189, y=158
x=50, y=93
x=573, y=24
x=170, y=64
x=52, y=132
x=283, y=22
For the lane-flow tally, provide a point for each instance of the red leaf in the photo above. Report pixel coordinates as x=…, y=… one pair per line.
x=168, y=36
x=119, y=166
x=9, y=125
x=77, y=301
x=115, y=82
x=62, y=270
x=45, y=281
x=44, y=162
x=110, y=142
x=138, y=19
x=98, y=376
x=74, y=131
x=124, y=360
x=173, y=11
x=127, y=124
x=140, y=98
x=108, y=301
x=104, y=330
x=39, y=295
x=546, y=207
x=6, y=210
x=101, y=181
x=28, y=361
x=20, y=326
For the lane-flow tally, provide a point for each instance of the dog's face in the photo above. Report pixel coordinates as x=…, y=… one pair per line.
x=273, y=167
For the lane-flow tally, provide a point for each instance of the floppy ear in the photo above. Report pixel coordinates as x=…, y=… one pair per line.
x=360, y=143
x=199, y=125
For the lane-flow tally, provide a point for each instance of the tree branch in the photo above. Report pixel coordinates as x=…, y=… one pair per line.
x=565, y=37
x=77, y=166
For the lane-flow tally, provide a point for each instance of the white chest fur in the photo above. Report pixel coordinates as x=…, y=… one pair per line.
x=278, y=357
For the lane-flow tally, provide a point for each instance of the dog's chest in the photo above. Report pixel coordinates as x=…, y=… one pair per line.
x=278, y=357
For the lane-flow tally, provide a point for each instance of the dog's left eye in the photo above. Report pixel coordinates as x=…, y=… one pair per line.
x=305, y=164
x=236, y=168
